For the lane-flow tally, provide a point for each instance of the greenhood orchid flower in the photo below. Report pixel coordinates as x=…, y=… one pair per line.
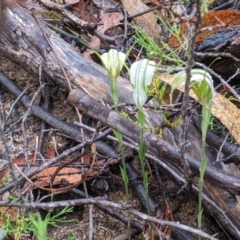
x=113, y=62
x=141, y=75
x=201, y=83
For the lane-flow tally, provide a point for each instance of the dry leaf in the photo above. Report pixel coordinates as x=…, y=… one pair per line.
x=19, y=161
x=86, y=15
x=146, y=22
x=5, y=212
x=108, y=20
x=71, y=175
x=50, y=152
x=222, y=109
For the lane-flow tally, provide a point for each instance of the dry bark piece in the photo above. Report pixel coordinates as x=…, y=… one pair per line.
x=212, y=22
x=223, y=41
x=32, y=45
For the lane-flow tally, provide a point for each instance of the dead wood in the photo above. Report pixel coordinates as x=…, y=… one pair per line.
x=23, y=41
x=69, y=130
x=142, y=196
x=154, y=144
x=229, y=149
x=163, y=149
x=225, y=42
x=121, y=217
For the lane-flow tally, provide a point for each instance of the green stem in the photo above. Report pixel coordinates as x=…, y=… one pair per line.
x=206, y=116
x=115, y=94
x=126, y=180
x=142, y=154
x=123, y=169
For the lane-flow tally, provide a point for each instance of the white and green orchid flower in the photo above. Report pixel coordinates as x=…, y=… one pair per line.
x=141, y=75
x=113, y=62
x=201, y=83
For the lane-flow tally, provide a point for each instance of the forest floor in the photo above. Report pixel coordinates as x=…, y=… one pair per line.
x=24, y=134
x=106, y=227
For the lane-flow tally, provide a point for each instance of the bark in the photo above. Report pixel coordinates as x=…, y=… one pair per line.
x=22, y=40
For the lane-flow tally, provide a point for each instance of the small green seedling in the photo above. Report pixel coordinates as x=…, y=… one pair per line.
x=33, y=223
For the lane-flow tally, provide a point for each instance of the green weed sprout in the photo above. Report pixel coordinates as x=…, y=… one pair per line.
x=204, y=4
x=73, y=237
x=141, y=75
x=39, y=226
x=169, y=58
x=34, y=223
x=202, y=85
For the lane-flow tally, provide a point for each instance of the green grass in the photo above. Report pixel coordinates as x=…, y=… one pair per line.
x=16, y=226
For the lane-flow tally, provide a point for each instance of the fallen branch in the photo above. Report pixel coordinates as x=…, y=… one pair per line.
x=153, y=143
x=99, y=201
